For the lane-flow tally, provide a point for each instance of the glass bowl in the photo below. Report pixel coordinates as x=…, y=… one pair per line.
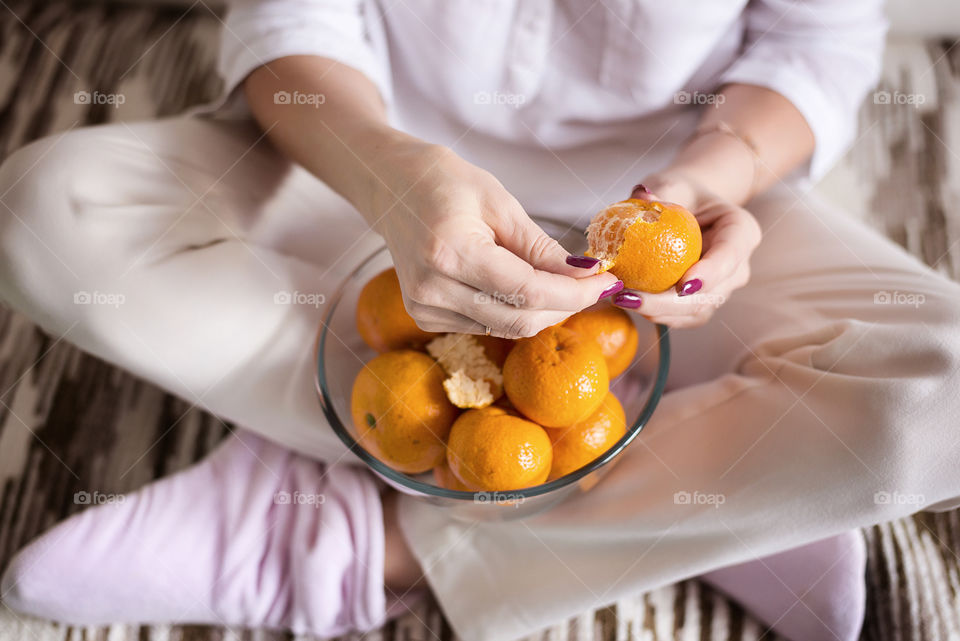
x=341, y=354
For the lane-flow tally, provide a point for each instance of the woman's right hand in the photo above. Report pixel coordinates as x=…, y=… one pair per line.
x=467, y=254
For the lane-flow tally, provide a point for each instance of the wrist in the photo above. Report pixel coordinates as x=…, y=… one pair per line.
x=372, y=149
x=675, y=184
x=719, y=164
x=394, y=164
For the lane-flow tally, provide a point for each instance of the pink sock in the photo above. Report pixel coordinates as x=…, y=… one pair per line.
x=253, y=536
x=812, y=593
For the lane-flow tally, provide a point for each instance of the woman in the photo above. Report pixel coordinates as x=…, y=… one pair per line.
x=446, y=124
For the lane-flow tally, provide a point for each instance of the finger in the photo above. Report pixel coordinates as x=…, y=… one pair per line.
x=667, y=188
x=497, y=271
x=510, y=322
x=451, y=306
x=519, y=234
x=732, y=238
x=443, y=321
x=641, y=192
x=682, y=322
x=668, y=303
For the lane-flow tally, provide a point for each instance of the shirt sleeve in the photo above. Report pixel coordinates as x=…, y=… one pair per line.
x=256, y=32
x=821, y=55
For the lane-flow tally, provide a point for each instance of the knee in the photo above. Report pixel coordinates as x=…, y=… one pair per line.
x=40, y=181
x=899, y=383
x=32, y=181
x=43, y=253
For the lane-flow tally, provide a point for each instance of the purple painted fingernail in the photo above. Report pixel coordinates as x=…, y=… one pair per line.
x=641, y=189
x=585, y=262
x=613, y=289
x=628, y=300
x=690, y=287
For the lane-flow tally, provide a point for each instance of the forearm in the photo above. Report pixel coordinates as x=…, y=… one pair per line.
x=763, y=138
x=336, y=130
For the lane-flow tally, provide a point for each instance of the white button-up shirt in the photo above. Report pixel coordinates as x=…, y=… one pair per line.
x=570, y=103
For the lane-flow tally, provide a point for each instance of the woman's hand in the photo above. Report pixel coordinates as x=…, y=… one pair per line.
x=467, y=255
x=730, y=234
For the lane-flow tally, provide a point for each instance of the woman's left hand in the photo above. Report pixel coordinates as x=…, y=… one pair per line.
x=730, y=234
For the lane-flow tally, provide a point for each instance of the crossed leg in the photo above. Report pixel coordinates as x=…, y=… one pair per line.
x=820, y=398
x=797, y=404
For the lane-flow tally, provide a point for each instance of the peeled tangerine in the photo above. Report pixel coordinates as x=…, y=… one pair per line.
x=400, y=411
x=473, y=379
x=646, y=244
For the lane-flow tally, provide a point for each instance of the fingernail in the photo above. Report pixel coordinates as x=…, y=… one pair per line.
x=639, y=191
x=585, y=262
x=690, y=287
x=628, y=300
x=613, y=289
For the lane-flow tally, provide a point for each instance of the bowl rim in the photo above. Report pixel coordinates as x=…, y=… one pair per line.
x=326, y=404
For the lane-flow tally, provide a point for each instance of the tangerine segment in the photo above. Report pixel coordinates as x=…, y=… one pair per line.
x=400, y=411
x=581, y=443
x=493, y=451
x=556, y=378
x=382, y=319
x=646, y=244
x=613, y=330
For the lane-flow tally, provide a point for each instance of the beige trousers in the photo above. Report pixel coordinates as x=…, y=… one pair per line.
x=823, y=396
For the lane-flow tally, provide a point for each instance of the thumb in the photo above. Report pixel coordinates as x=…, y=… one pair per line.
x=670, y=189
x=641, y=192
x=524, y=238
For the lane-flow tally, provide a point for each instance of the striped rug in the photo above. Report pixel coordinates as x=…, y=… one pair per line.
x=69, y=422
